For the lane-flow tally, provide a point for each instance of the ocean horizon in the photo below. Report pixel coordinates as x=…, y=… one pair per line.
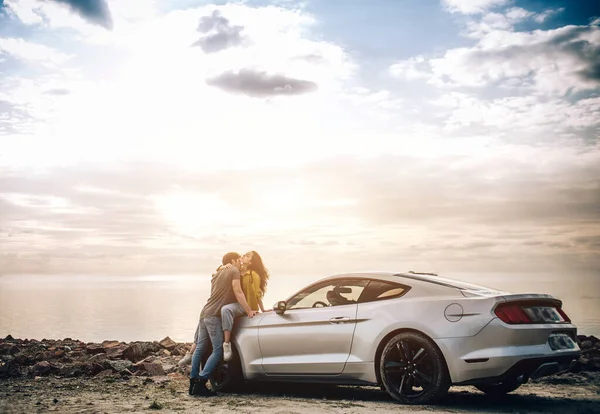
x=151, y=307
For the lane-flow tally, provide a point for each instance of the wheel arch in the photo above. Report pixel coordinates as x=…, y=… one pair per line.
x=389, y=336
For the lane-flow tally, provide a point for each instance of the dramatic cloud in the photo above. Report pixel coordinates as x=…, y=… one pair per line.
x=94, y=11
x=260, y=84
x=218, y=33
x=555, y=60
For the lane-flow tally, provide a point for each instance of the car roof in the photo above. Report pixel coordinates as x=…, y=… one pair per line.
x=408, y=277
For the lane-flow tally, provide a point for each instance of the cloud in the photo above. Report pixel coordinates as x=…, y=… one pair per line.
x=57, y=92
x=472, y=6
x=497, y=21
x=82, y=215
x=410, y=69
x=546, y=14
x=552, y=61
x=260, y=84
x=94, y=11
x=13, y=118
x=32, y=52
x=218, y=33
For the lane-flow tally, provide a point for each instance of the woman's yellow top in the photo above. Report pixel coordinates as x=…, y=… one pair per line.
x=251, y=289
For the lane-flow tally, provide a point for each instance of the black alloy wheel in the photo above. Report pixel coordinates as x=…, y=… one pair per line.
x=413, y=370
x=228, y=375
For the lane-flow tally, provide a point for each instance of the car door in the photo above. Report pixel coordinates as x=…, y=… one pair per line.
x=314, y=334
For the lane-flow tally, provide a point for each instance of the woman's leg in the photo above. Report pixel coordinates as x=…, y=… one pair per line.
x=228, y=315
x=188, y=355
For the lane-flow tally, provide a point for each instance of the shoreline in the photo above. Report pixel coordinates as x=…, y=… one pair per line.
x=72, y=376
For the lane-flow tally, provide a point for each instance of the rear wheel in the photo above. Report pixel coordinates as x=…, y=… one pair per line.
x=413, y=370
x=499, y=388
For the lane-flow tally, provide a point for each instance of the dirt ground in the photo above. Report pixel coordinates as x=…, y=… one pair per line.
x=570, y=393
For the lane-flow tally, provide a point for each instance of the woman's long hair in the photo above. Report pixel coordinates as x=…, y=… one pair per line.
x=256, y=265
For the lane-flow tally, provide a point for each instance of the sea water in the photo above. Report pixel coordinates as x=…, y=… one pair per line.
x=147, y=308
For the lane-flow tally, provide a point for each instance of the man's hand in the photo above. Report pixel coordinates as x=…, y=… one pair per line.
x=252, y=313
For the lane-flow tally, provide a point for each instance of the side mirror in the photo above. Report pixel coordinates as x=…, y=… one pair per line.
x=280, y=307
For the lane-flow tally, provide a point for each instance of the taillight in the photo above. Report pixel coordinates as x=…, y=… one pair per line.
x=511, y=313
x=522, y=313
x=564, y=315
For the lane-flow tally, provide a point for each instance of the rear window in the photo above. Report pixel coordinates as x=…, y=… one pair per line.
x=382, y=290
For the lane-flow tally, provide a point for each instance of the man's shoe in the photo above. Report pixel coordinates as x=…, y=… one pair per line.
x=227, y=354
x=200, y=390
x=193, y=382
x=186, y=360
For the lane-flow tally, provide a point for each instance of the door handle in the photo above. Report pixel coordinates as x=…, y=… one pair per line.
x=339, y=319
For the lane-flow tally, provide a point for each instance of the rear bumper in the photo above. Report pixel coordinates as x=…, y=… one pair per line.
x=531, y=368
x=501, y=351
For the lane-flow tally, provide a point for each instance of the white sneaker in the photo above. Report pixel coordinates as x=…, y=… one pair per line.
x=186, y=360
x=227, y=354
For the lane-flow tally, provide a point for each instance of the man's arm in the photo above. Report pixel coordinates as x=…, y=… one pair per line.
x=239, y=295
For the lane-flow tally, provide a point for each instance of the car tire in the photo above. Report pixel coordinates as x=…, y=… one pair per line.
x=499, y=388
x=413, y=369
x=228, y=376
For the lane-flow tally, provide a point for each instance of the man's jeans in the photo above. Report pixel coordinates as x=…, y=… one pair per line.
x=229, y=313
x=209, y=329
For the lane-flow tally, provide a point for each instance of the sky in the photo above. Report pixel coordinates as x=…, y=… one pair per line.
x=152, y=137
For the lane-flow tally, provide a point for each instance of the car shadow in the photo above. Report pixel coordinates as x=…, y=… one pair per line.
x=458, y=399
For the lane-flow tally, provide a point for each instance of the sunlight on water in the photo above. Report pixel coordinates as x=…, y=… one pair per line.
x=130, y=308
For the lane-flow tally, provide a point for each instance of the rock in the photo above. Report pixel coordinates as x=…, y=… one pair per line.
x=110, y=344
x=79, y=369
x=42, y=368
x=94, y=349
x=586, y=344
x=165, y=352
x=120, y=365
x=169, y=367
x=98, y=358
x=152, y=368
x=9, y=349
x=168, y=343
x=134, y=352
x=105, y=373
x=149, y=348
x=116, y=352
x=96, y=368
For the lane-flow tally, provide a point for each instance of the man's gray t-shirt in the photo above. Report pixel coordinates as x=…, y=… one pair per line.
x=221, y=292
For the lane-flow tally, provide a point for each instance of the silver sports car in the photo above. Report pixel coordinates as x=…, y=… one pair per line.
x=413, y=334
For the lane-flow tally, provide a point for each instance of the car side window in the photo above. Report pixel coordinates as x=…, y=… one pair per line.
x=382, y=290
x=331, y=293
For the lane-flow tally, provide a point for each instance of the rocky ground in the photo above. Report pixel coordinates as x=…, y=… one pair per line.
x=73, y=376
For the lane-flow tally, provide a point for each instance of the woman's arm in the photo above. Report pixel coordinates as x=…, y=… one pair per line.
x=257, y=292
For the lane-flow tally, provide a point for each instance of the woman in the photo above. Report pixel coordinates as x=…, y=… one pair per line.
x=254, y=284
x=255, y=277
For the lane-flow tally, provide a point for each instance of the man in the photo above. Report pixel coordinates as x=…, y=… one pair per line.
x=225, y=289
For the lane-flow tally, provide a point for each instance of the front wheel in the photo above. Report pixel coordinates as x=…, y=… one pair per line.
x=499, y=388
x=228, y=376
x=413, y=370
